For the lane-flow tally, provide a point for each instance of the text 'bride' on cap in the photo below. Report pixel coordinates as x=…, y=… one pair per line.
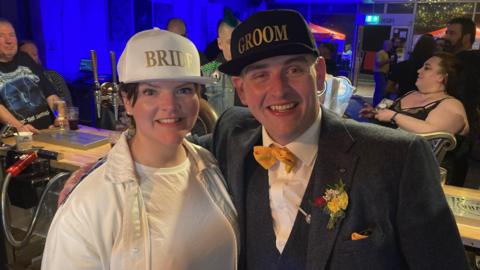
x=156, y=54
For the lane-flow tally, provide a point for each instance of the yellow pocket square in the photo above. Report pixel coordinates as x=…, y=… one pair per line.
x=360, y=235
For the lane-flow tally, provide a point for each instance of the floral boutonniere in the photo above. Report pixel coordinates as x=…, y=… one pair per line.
x=334, y=203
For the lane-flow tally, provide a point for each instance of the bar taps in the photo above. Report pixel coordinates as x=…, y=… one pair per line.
x=114, y=93
x=97, y=90
x=107, y=91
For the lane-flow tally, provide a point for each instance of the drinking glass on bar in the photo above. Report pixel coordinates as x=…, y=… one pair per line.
x=59, y=110
x=72, y=116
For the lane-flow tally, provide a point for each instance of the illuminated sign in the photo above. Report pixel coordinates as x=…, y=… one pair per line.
x=372, y=19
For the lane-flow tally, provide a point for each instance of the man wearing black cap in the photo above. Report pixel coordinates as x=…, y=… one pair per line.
x=336, y=194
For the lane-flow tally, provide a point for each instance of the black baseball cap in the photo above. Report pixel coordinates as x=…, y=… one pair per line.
x=266, y=34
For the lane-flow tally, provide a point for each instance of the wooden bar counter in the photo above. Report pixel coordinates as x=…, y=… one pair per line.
x=71, y=159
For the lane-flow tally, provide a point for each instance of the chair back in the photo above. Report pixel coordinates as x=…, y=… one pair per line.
x=441, y=143
x=207, y=117
x=60, y=85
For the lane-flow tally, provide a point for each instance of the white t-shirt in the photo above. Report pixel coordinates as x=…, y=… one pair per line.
x=187, y=229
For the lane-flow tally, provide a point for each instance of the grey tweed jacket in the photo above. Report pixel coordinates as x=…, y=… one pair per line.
x=392, y=181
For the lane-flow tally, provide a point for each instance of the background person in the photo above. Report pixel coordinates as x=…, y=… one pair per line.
x=461, y=36
x=430, y=108
x=441, y=44
x=158, y=201
x=220, y=94
x=346, y=60
x=329, y=53
x=178, y=26
x=380, y=71
x=396, y=51
x=403, y=75
x=54, y=77
x=26, y=96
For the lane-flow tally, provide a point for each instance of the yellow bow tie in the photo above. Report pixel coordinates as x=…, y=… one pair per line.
x=267, y=156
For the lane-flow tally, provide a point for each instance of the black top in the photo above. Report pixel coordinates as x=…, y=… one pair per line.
x=468, y=86
x=24, y=89
x=331, y=67
x=405, y=75
x=419, y=112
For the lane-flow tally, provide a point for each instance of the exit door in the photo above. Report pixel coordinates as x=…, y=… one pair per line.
x=370, y=39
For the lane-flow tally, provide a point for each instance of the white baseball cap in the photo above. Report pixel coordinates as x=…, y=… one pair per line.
x=156, y=54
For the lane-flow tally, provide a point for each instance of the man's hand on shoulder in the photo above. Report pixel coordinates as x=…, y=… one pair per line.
x=72, y=181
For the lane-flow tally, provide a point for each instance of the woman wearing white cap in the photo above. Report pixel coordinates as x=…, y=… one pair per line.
x=158, y=201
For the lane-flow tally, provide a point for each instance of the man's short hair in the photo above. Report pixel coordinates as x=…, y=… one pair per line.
x=5, y=21
x=228, y=20
x=25, y=42
x=468, y=27
x=221, y=25
x=177, y=21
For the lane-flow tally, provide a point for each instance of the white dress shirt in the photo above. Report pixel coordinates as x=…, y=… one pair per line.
x=287, y=189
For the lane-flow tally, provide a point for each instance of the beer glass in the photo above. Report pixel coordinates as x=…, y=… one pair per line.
x=72, y=116
x=59, y=110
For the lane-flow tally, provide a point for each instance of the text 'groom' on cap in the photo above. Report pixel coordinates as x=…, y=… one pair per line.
x=266, y=34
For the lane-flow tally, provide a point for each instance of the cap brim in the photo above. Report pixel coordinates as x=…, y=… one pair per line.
x=235, y=66
x=192, y=79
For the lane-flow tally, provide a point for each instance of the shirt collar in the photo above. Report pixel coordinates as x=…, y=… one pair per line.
x=305, y=147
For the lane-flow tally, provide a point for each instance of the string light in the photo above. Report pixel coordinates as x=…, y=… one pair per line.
x=434, y=14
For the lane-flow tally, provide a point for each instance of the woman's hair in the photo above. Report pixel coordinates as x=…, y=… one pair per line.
x=129, y=91
x=448, y=66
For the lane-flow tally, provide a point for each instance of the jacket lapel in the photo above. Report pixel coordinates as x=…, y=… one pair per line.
x=332, y=164
x=239, y=147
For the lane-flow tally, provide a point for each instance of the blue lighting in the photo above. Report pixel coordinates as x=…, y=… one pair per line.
x=71, y=28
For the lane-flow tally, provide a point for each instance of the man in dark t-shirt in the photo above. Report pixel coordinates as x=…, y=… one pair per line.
x=460, y=35
x=26, y=96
